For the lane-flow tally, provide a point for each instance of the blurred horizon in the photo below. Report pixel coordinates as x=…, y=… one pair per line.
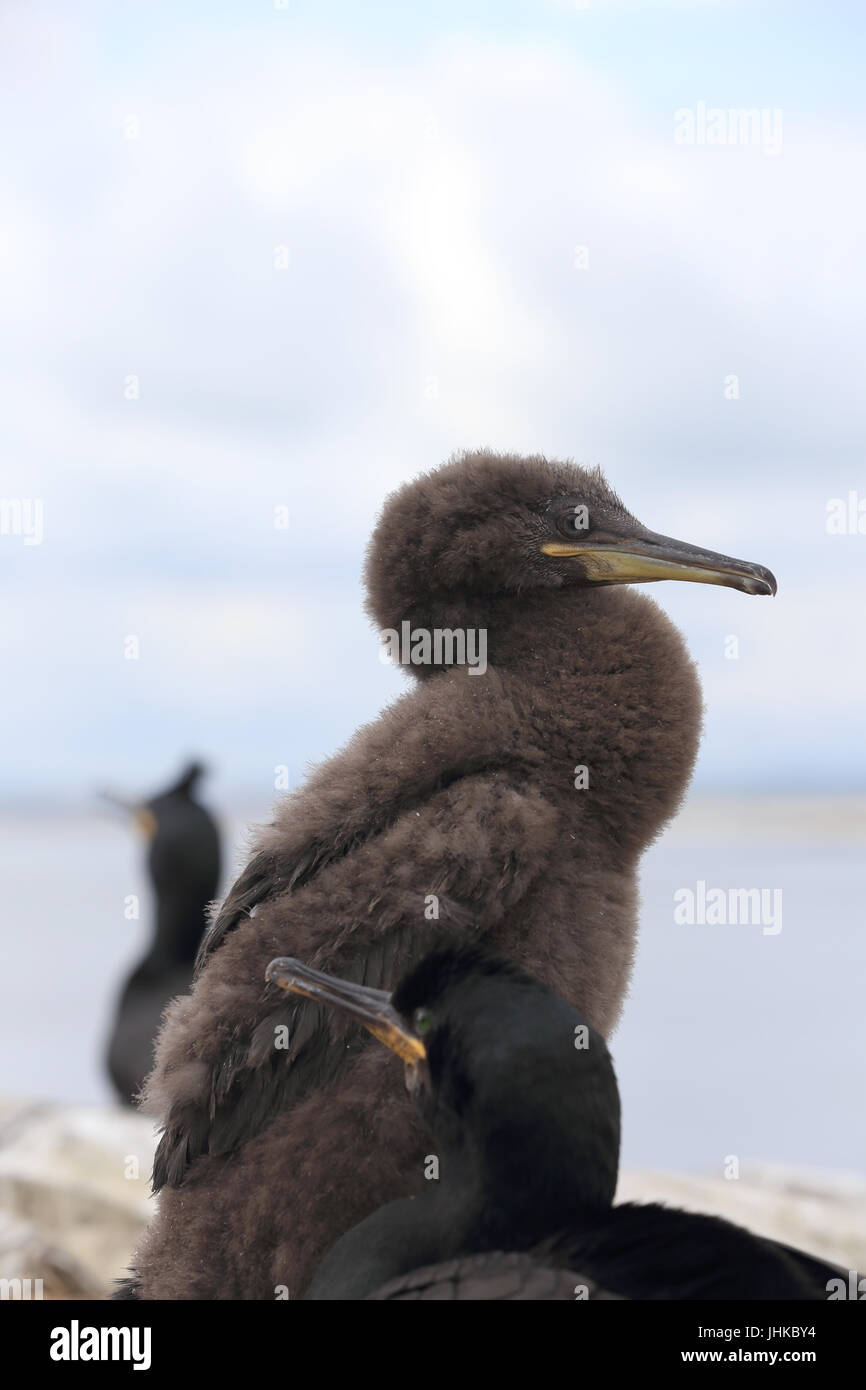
x=731, y=1040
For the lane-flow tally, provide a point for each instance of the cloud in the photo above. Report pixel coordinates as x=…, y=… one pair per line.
x=431, y=206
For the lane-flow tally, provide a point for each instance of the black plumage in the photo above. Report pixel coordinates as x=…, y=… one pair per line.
x=184, y=866
x=513, y=801
x=496, y=1277
x=519, y=1095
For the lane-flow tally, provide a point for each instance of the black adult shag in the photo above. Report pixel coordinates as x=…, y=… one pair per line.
x=512, y=794
x=184, y=866
x=519, y=1095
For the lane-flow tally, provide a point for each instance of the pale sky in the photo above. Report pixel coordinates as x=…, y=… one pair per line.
x=331, y=244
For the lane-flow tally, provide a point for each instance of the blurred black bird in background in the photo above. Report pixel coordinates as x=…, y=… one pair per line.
x=521, y=1099
x=184, y=867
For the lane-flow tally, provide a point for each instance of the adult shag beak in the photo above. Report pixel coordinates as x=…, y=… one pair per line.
x=141, y=815
x=146, y=821
x=643, y=557
x=372, y=1007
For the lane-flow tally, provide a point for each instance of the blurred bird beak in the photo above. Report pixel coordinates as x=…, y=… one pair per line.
x=145, y=820
x=372, y=1007
x=142, y=817
x=644, y=557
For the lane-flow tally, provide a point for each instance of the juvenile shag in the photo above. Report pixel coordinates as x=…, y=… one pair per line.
x=184, y=866
x=524, y=795
x=520, y=1097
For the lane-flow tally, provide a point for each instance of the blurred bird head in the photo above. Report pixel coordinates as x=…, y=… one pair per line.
x=504, y=1073
x=147, y=815
x=486, y=523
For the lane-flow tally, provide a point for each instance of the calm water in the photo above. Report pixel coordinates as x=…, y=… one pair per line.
x=733, y=1042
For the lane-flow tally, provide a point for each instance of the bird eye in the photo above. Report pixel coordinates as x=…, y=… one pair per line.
x=421, y=1021
x=575, y=521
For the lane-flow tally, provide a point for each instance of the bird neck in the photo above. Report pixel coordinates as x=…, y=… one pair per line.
x=518, y=1193
x=607, y=677
x=180, y=922
x=534, y=1147
x=533, y=634
x=500, y=1189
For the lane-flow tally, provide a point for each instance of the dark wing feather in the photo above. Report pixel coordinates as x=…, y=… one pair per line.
x=256, y=1082
x=253, y=1081
x=128, y=1288
x=816, y=1269
x=448, y=729
x=649, y=1251
x=267, y=875
x=492, y=1278
x=263, y=878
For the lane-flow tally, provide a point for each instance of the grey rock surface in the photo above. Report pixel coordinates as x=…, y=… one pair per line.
x=75, y=1197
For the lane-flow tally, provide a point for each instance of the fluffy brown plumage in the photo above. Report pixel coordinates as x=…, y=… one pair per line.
x=463, y=789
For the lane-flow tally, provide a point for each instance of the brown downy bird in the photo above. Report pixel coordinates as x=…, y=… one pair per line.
x=534, y=784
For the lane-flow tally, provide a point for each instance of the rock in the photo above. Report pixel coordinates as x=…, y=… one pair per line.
x=74, y=1194
x=75, y=1184
x=30, y=1267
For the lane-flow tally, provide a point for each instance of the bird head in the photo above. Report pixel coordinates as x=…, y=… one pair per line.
x=487, y=523
x=503, y=1072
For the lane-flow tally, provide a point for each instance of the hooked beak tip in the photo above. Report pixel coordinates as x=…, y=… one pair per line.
x=279, y=972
